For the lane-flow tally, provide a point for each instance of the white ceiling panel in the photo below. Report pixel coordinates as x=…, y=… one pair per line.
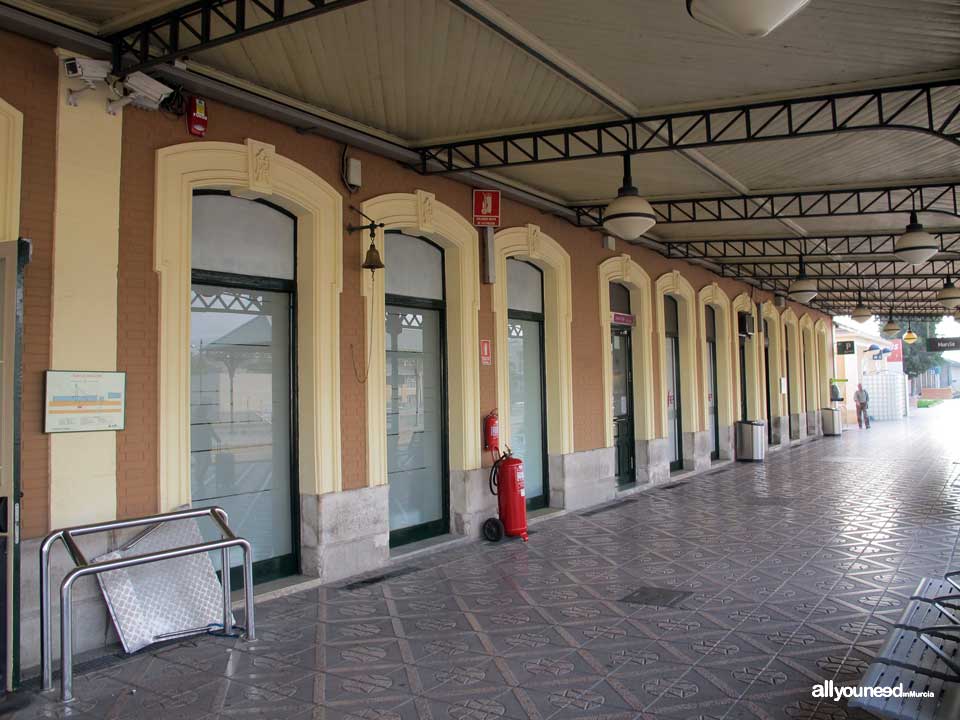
x=731, y=229
x=656, y=55
x=104, y=11
x=415, y=68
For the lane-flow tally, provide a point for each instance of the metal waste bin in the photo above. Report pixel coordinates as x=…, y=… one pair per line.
x=751, y=438
x=832, y=425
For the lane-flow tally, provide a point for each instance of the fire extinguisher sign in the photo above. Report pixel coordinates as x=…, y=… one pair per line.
x=486, y=208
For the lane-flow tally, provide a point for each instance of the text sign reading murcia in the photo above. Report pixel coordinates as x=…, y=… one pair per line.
x=941, y=344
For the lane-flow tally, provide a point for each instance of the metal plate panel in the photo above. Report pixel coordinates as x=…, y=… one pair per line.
x=152, y=602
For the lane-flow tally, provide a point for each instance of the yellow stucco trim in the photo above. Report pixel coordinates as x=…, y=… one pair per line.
x=825, y=360
x=716, y=298
x=754, y=360
x=251, y=169
x=623, y=269
x=769, y=313
x=530, y=244
x=791, y=335
x=674, y=284
x=11, y=150
x=420, y=213
x=810, y=379
x=83, y=313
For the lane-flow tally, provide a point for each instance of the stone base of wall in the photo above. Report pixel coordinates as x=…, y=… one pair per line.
x=345, y=533
x=697, y=447
x=92, y=627
x=779, y=429
x=798, y=426
x=471, y=502
x=582, y=479
x=814, y=423
x=726, y=442
x=653, y=461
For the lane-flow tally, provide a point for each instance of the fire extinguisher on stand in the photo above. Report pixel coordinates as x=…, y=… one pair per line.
x=506, y=482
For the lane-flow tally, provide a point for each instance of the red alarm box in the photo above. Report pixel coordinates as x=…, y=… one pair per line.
x=197, y=116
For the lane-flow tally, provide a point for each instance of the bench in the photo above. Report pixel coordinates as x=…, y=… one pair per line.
x=921, y=654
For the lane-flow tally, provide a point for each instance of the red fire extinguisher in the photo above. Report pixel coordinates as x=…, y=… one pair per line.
x=491, y=433
x=506, y=482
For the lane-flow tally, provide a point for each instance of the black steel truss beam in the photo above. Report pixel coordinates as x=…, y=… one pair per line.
x=941, y=198
x=851, y=273
x=206, y=24
x=932, y=108
x=780, y=249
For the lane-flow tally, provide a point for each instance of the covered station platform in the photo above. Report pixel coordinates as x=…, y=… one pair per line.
x=300, y=270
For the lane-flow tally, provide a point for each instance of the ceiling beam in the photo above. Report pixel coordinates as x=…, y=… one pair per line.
x=931, y=108
x=205, y=24
x=850, y=272
x=782, y=249
x=943, y=198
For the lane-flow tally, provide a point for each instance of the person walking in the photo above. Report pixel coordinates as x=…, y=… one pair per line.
x=862, y=400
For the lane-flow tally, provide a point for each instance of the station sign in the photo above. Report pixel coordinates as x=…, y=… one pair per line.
x=845, y=347
x=486, y=208
x=939, y=344
x=896, y=352
x=622, y=319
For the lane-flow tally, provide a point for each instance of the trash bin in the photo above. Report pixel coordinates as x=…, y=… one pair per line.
x=751, y=438
x=832, y=425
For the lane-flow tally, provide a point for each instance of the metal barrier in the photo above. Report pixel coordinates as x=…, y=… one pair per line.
x=84, y=567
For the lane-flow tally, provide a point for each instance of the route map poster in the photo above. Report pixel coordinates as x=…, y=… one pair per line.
x=84, y=401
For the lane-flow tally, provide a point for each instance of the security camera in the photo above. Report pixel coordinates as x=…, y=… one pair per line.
x=81, y=68
x=142, y=91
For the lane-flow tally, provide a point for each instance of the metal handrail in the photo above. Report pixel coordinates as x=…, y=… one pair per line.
x=68, y=537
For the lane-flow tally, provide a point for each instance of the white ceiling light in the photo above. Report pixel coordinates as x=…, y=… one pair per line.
x=861, y=313
x=803, y=289
x=891, y=329
x=753, y=18
x=916, y=246
x=629, y=216
x=949, y=295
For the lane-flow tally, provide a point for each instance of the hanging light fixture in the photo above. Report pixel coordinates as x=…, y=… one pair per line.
x=629, y=216
x=949, y=295
x=910, y=337
x=916, y=246
x=891, y=329
x=861, y=313
x=753, y=18
x=803, y=289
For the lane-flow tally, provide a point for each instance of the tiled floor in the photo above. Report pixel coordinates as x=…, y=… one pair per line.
x=795, y=569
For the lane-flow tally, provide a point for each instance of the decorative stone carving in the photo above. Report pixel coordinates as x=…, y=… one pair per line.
x=425, y=202
x=259, y=162
x=533, y=241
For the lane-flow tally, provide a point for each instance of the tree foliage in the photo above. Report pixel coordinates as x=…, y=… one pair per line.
x=916, y=359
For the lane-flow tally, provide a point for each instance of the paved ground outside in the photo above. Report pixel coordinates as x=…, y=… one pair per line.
x=765, y=579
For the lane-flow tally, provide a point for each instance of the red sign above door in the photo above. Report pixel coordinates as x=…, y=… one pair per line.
x=486, y=208
x=622, y=318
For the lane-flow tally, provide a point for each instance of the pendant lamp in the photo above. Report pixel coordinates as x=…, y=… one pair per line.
x=916, y=246
x=629, y=216
x=803, y=289
x=949, y=295
x=861, y=313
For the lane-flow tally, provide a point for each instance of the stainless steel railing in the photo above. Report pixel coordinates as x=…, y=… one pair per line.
x=83, y=568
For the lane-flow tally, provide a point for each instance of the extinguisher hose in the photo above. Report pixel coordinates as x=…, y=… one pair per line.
x=495, y=475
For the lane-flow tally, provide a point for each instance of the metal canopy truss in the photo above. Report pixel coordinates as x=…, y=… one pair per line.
x=932, y=108
x=780, y=250
x=205, y=24
x=849, y=273
x=938, y=198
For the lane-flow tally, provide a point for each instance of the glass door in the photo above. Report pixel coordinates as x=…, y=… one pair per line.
x=790, y=420
x=742, y=360
x=674, y=417
x=766, y=385
x=623, y=431
x=527, y=404
x=241, y=418
x=527, y=374
x=416, y=427
x=713, y=417
x=243, y=451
